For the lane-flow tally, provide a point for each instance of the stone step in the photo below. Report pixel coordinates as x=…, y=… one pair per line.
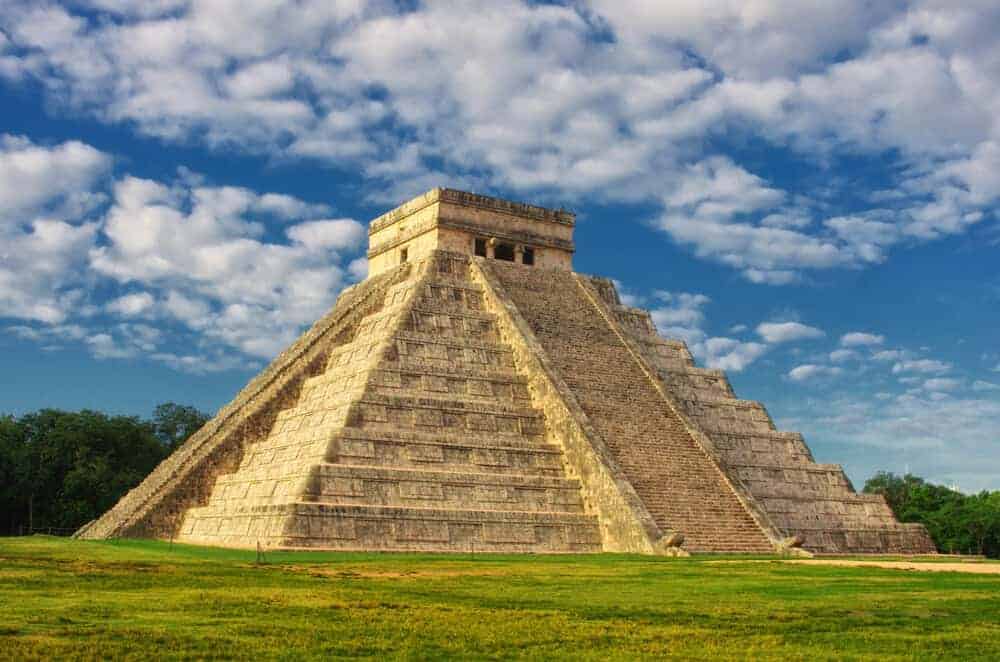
x=418, y=411
x=728, y=415
x=672, y=352
x=458, y=438
x=413, y=365
x=462, y=380
x=455, y=296
x=432, y=306
x=411, y=409
x=668, y=344
x=724, y=404
x=391, y=486
x=319, y=399
x=434, y=350
x=389, y=446
x=450, y=402
x=818, y=503
x=897, y=539
x=317, y=409
x=353, y=527
x=403, y=487
x=809, y=490
x=379, y=319
x=762, y=475
x=696, y=383
x=462, y=281
x=736, y=445
x=470, y=454
x=450, y=324
x=509, y=390
x=671, y=364
x=420, y=337
x=745, y=458
x=800, y=522
x=358, y=353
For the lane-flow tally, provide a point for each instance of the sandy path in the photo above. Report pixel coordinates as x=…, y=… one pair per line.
x=978, y=568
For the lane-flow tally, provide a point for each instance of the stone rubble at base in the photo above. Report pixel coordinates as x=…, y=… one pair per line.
x=454, y=402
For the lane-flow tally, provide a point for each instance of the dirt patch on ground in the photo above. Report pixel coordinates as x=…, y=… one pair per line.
x=977, y=568
x=359, y=573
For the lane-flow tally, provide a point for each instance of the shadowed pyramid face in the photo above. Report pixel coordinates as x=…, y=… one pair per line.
x=470, y=224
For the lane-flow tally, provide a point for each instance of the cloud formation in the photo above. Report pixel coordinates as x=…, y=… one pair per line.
x=183, y=252
x=595, y=99
x=861, y=339
x=809, y=371
x=781, y=332
x=46, y=225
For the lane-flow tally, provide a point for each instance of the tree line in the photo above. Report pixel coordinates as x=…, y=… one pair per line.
x=60, y=469
x=958, y=523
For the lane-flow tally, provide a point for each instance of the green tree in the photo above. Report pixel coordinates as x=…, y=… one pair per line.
x=174, y=423
x=82, y=462
x=958, y=523
x=61, y=469
x=14, y=475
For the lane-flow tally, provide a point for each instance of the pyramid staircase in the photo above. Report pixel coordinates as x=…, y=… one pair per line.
x=679, y=484
x=802, y=499
x=419, y=434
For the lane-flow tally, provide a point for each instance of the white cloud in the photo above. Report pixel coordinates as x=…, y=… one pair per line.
x=810, y=371
x=782, y=332
x=48, y=335
x=941, y=384
x=199, y=364
x=681, y=316
x=187, y=251
x=717, y=188
x=921, y=365
x=45, y=232
x=542, y=100
x=981, y=386
x=861, y=339
x=103, y=346
x=945, y=438
x=35, y=178
x=682, y=309
x=843, y=355
x=755, y=41
x=707, y=209
x=730, y=354
x=343, y=233
x=358, y=268
x=130, y=305
x=888, y=355
x=200, y=247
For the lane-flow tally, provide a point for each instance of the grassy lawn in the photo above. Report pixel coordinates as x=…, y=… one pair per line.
x=136, y=599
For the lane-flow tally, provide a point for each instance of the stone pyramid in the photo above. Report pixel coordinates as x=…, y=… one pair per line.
x=474, y=394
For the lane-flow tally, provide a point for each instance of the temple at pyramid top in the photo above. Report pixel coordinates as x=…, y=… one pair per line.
x=471, y=224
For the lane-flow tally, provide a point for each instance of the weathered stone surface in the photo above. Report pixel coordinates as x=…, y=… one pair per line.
x=459, y=403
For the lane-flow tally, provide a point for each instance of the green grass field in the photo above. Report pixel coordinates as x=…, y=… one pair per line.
x=130, y=599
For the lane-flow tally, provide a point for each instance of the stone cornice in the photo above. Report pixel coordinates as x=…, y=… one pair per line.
x=465, y=199
x=515, y=236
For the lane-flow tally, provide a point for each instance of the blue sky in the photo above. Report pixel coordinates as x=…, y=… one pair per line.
x=804, y=192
